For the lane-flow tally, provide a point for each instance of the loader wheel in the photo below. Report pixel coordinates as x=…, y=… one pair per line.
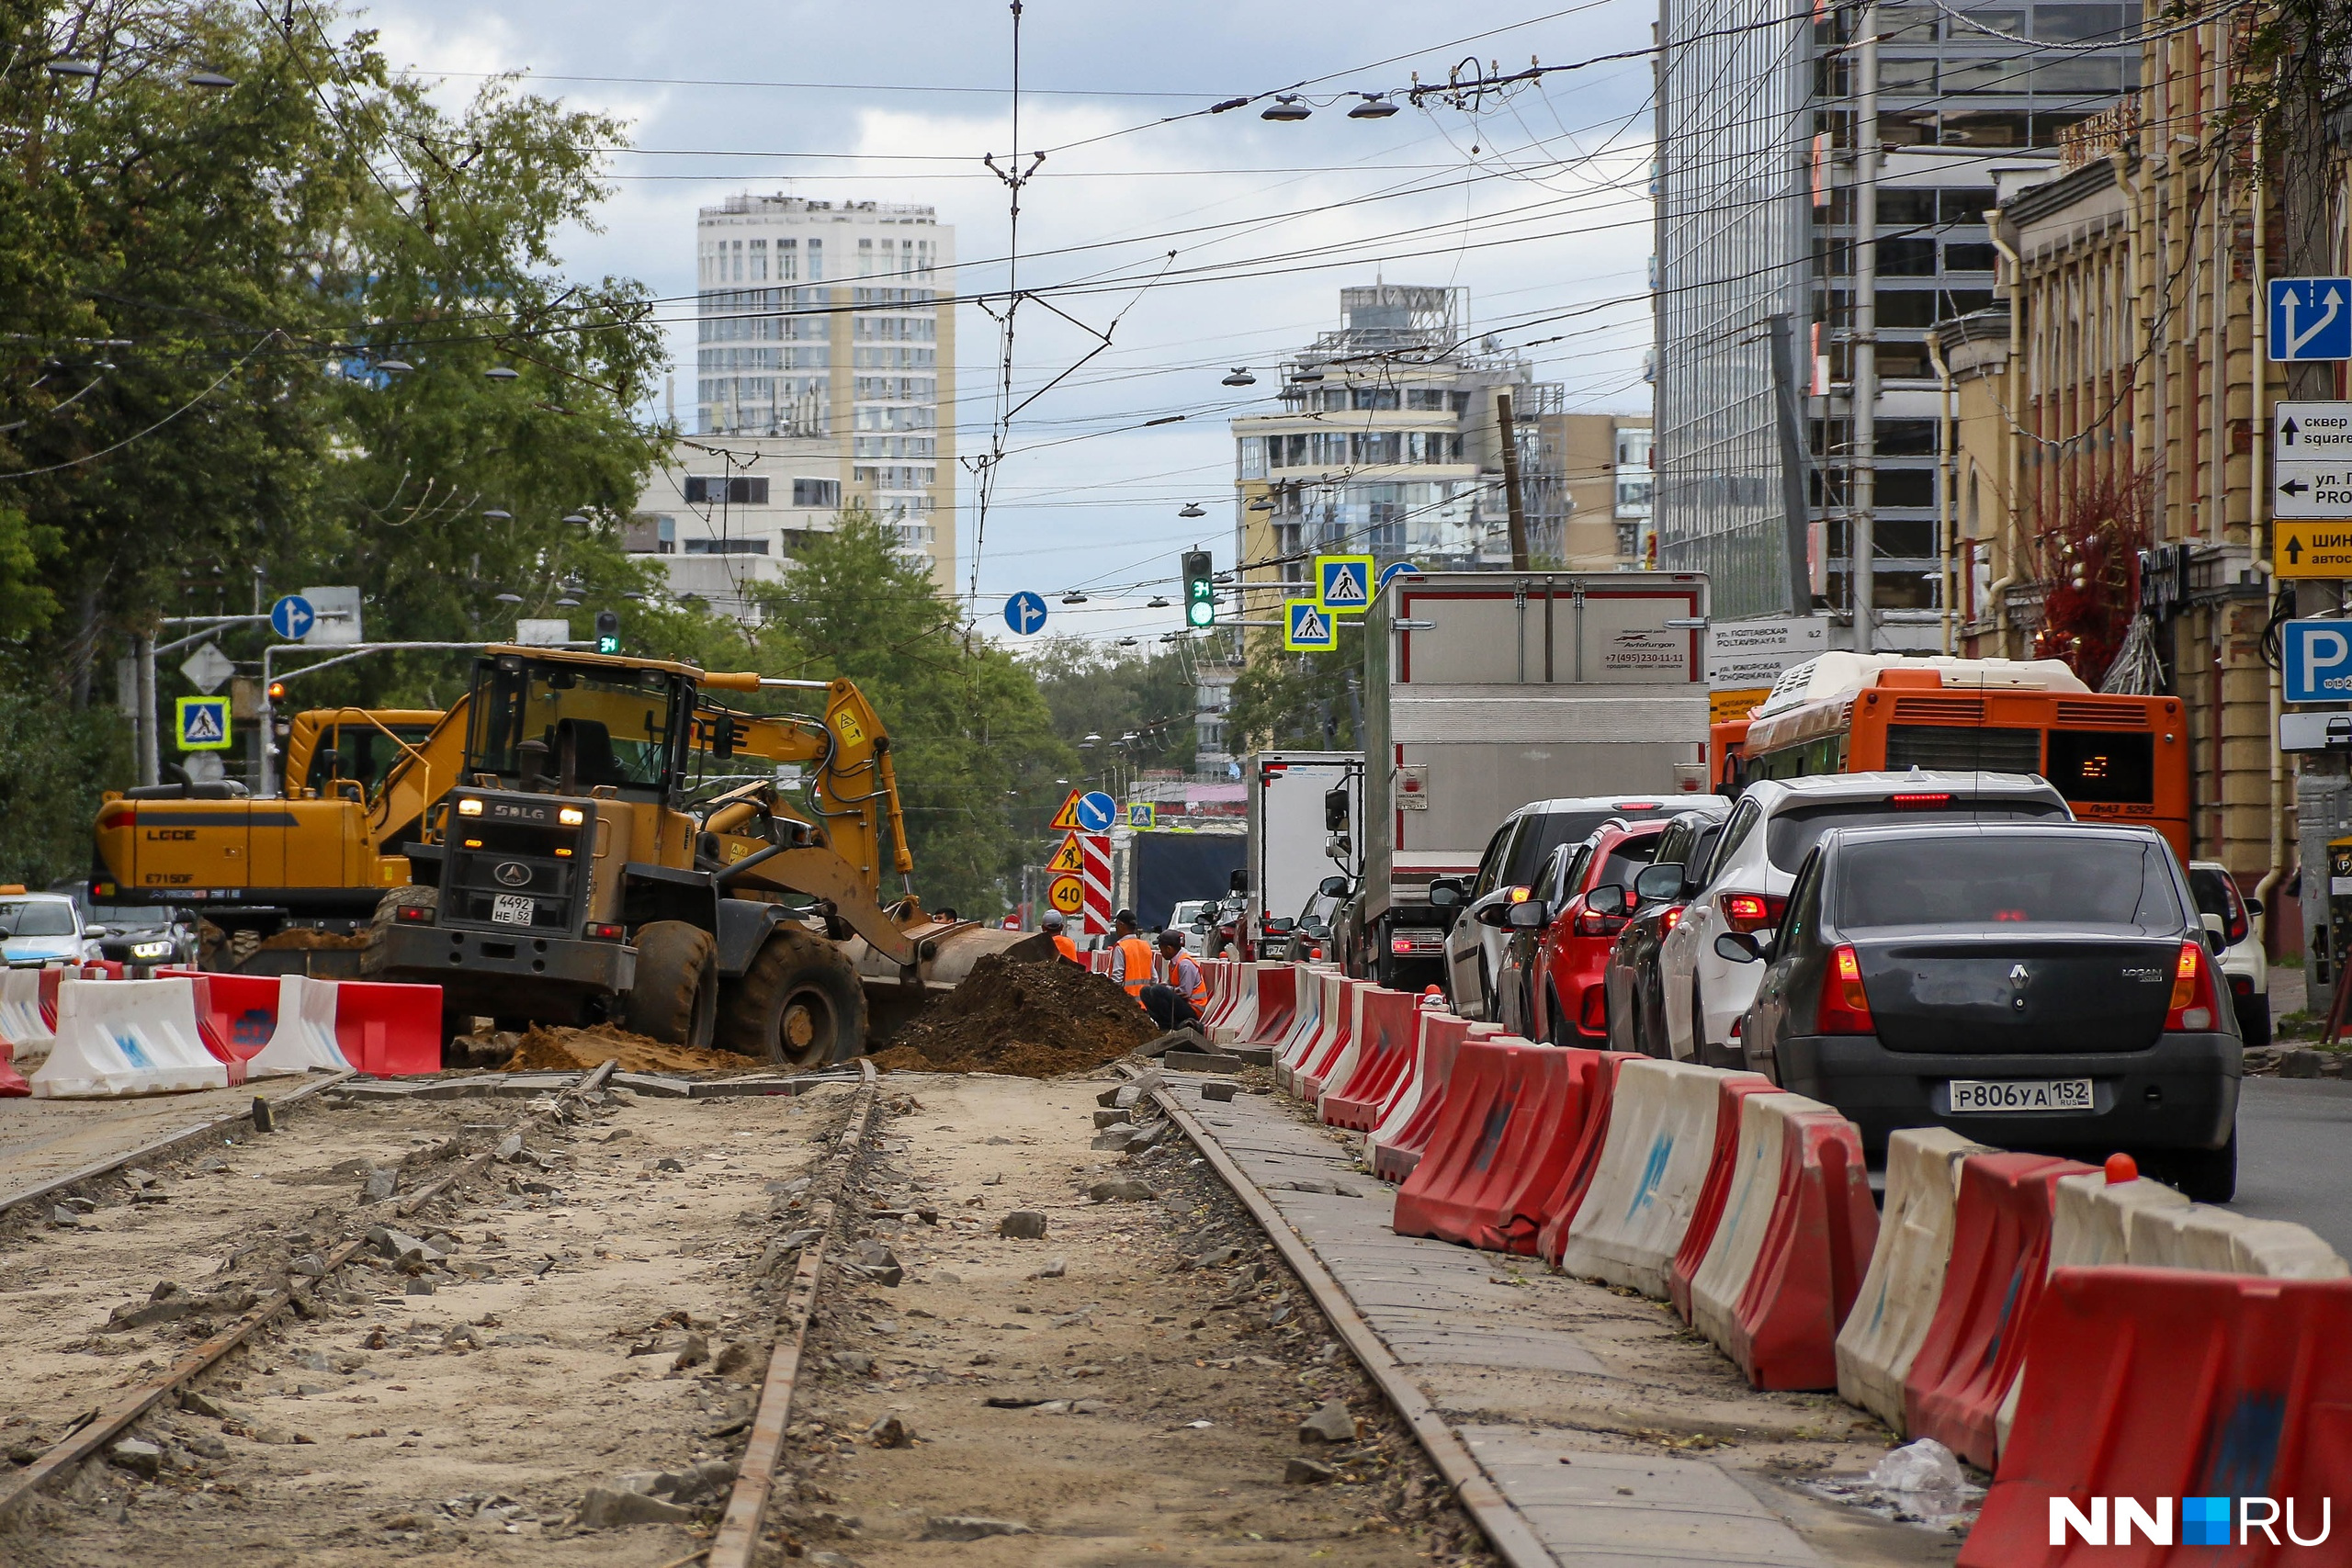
x=676, y=999
x=799, y=1003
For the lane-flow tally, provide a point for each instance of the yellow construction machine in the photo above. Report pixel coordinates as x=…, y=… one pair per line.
x=602, y=855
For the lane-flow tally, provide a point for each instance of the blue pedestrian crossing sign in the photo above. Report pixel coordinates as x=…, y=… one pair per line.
x=1308, y=628
x=2311, y=318
x=1143, y=814
x=1025, y=612
x=203, y=724
x=293, y=618
x=1343, y=582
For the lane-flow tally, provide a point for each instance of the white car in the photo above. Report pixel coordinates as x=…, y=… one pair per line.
x=43, y=928
x=1744, y=884
x=1181, y=918
x=2243, y=961
x=1515, y=856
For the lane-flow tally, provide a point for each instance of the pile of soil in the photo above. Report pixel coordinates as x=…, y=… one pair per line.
x=1033, y=1020
x=310, y=939
x=546, y=1049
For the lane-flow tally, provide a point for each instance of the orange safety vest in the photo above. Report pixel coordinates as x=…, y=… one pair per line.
x=1067, y=948
x=1196, y=988
x=1135, y=964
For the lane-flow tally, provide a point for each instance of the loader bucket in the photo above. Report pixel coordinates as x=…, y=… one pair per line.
x=948, y=957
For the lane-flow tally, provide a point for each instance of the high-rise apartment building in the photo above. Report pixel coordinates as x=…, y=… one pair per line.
x=1388, y=445
x=824, y=381
x=1822, y=180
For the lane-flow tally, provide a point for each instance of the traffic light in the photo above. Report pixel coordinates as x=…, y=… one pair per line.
x=608, y=631
x=1200, y=591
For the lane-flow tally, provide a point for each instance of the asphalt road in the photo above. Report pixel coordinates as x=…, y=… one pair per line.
x=2295, y=1155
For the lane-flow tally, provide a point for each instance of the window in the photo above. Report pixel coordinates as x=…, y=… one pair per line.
x=37, y=916
x=1795, y=833
x=816, y=492
x=1253, y=457
x=1906, y=487
x=1906, y=206
x=1906, y=258
x=1968, y=206
x=1742, y=822
x=1968, y=258
x=759, y=261
x=726, y=546
x=2094, y=878
x=1907, y=438
x=747, y=490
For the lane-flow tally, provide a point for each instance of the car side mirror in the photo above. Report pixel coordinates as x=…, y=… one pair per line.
x=97, y=930
x=1333, y=887
x=1740, y=947
x=1444, y=893
x=1281, y=923
x=1528, y=915
x=1655, y=882
x=1609, y=899
x=2216, y=933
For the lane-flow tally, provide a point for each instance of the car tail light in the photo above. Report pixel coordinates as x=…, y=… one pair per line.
x=2192, y=991
x=1844, y=1005
x=603, y=931
x=1752, y=911
x=1596, y=1009
x=1670, y=919
x=1936, y=802
x=1592, y=922
x=415, y=914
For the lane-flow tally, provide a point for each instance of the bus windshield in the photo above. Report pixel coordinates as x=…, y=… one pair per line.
x=559, y=726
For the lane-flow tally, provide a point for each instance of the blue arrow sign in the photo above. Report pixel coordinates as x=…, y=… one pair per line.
x=293, y=618
x=1095, y=811
x=2311, y=318
x=1025, y=612
x=1396, y=568
x=2316, y=661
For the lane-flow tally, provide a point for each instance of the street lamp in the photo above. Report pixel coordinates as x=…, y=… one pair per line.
x=396, y=367
x=1375, y=105
x=213, y=79
x=82, y=69
x=509, y=598
x=498, y=514
x=1241, y=378
x=1191, y=509
x=1286, y=108
x=1073, y=597
x=501, y=372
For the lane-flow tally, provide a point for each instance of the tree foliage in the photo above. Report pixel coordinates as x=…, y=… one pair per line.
x=1309, y=701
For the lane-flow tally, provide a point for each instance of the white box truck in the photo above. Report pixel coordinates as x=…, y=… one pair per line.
x=1484, y=690
x=1299, y=842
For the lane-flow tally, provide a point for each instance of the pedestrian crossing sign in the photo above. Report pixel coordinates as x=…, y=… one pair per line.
x=1143, y=814
x=1068, y=858
x=204, y=724
x=1308, y=628
x=1343, y=582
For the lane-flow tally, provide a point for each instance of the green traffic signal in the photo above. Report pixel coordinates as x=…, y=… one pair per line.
x=608, y=631
x=1200, y=591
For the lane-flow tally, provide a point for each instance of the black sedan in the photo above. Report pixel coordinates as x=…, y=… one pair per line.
x=2049, y=988
x=1636, y=1007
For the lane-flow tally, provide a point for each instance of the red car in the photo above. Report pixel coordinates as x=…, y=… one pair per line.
x=1569, y=993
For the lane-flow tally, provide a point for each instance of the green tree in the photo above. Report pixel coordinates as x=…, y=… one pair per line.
x=1310, y=700
x=1114, y=694
x=972, y=739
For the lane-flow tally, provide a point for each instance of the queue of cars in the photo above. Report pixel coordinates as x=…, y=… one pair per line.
x=1915, y=948
x=63, y=926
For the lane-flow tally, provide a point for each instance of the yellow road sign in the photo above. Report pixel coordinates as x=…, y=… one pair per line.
x=1066, y=819
x=1067, y=894
x=1068, y=858
x=2311, y=550
x=1724, y=706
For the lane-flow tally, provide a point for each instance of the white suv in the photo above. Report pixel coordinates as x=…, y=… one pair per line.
x=2243, y=961
x=1745, y=882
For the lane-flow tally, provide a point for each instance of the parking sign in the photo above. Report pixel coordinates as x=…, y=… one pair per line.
x=2318, y=660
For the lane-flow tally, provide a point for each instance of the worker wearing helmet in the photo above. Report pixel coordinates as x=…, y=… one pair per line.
x=1062, y=944
x=1131, y=962
x=1183, y=991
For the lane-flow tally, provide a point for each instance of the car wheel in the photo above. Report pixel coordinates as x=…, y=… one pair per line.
x=2253, y=1020
x=675, y=998
x=1556, y=1029
x=2206, y=1176
x=1698, y=1052
x=799, y=1004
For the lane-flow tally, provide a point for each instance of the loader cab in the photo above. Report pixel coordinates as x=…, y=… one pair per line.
x=552, y=726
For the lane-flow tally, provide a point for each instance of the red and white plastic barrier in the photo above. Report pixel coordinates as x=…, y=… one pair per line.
x=1404, y=1131
x=1389, y=1044
x=1335, y=1057
x=1899, y=1295
x=28, y=1007
x=304, y=1039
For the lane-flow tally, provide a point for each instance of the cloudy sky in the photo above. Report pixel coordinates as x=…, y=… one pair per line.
x=1533, y=202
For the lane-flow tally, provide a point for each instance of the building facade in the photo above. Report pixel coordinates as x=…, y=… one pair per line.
x=1388, y=444
x=1815, y=221
x=1603, y=461
x=824, y=383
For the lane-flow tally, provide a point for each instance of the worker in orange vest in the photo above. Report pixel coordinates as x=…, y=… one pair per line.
x=1182, y=990
x=1131, y=964
x=1062, y=944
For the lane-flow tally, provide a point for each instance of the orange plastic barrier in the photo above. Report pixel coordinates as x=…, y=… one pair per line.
x=235, y=1013
x=1277, y=1004
x=1824, y=1226
x=1513, y=1112
x=1708, y=1214
x=2170, y=1384
x=12, y=1082
x=1556, y=1201
x=1385, y=1060
x=2000, y=1253
x=1397, y=1144
x=390, y=1030
x=1339, y=1054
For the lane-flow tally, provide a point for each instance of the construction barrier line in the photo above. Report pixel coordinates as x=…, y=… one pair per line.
x=1708, y=1214
x=1391, y=1022
x=1555, y=1192
x=304, y=1038
x=1404, y=1132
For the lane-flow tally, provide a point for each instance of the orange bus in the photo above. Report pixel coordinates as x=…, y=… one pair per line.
x=2114, y=759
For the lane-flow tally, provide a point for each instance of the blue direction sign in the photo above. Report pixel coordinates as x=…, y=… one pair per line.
x=1308, y=628
x=293, y=618
x=2318, y=661
x=1396, y=568
x=1095, y=812
x=1025, y=612
x=2311, y=318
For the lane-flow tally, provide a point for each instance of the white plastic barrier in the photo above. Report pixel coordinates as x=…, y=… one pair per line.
x=1331, y=1012
x=1738, y=1242
x=1240, y=1021
x=304, y=1038
x=21, y=1023
x=2093, y=1222
x=1897, y=1301
x=123, y=1037
x=1338, y=1068
x=1307, y=1013
x=1661, y=1142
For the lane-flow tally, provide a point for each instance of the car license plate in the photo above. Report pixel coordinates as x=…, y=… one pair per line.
x=1968, y=1097
x=511, y=908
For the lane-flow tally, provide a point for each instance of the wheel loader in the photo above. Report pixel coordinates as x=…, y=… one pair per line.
x=602, y=857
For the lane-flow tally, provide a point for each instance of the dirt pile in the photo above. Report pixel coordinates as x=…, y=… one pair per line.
x=1033, y=1020
x=557, y=1050
x=310, y=939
